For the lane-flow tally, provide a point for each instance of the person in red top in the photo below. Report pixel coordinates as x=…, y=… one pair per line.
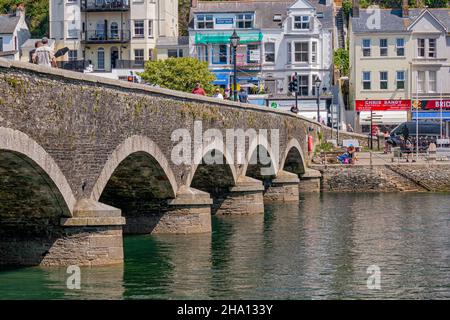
x=199, y=90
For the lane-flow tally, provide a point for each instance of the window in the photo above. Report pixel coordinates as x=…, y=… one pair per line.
x=421, y=48
x=150, y=28
x=301, y=22
x=301, y=52
x=269, y=52
x=315, y=76
x=367, y=84
x=366, y=47
x=253, y=53
x=139, y=28
x=314, y=52
x=114, y=30
x=383, y=80
x=383, y=47
x=421, y=81
x=202, y=53
x=175, y=53
x=205, y=21
x=432, y=48
x=400, y=80
x=139, y=54
x=432, y=81
x=73, y=55
x=219, y=54
x=101, y=59
x=289, y=52
x=1, y=44
x=303, y=85
x=400, y=44
x=244, y=21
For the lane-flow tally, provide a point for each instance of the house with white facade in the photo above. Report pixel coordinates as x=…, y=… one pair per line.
x=277, y=40
x=400, y=60
x=14, y=33
x=114, y=36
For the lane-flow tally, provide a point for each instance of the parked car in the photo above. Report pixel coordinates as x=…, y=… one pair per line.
x=428, y=131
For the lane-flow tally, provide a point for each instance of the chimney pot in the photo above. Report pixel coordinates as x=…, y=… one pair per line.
x=355, y=10
x=405, y=9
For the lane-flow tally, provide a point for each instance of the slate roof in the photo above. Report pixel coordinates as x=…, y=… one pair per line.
x=392, y=20
x=264, y=11
x=8, y=23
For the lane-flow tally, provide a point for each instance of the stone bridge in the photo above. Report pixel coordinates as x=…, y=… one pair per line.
x=84, y=159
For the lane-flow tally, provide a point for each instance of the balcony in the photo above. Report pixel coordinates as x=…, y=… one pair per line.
x=105, y=5
x=130, y=64
x=105, y=37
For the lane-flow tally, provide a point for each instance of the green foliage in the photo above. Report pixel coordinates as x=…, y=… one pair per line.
x=36, y=14
x=347, y=7
x=342, y=61
x=179, y=74
x=324, y=147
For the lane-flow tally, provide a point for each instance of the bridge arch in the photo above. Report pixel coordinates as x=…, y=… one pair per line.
x=25, y=151
x=133, y=145
x=293, y=159
x=252, y=159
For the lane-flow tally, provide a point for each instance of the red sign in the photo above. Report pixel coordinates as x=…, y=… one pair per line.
x=434, y=104
x=383, y=105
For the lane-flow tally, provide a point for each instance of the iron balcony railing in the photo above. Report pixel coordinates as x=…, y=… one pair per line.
x=106, y=36
x=129, y=64
x=104, y=5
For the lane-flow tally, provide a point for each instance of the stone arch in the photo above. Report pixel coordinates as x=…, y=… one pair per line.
x=293, y=159
x=201, y=152
x=132, y=145
x=22, y=146
x=261, y=141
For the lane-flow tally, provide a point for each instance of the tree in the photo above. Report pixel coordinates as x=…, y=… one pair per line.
x=179, y=74
x=37, y=15
x=342, y=61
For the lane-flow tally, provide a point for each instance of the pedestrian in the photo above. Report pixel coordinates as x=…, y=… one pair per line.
x=387, y=145
x=44, y=55
x=227, y=93
x=199, y=90
x=243, y=96
x=408, y=147
x=349, y=128
x=37, y=44
x=218, y=95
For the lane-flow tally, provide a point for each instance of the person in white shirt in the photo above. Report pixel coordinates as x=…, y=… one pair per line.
x=218, y=95
x=44, y=55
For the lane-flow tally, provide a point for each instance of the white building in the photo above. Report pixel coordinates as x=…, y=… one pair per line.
x=13, y=34
x=278, y=38
x=113, y=35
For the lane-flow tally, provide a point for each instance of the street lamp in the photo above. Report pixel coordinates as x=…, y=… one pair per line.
x=318, y=82
x=234, y=41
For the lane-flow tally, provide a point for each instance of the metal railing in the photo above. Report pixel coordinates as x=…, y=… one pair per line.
x=106, y=36
x=77, y=65
x=105, y=5
x=130, y=64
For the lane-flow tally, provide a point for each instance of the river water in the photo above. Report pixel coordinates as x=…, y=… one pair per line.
x=320, y=248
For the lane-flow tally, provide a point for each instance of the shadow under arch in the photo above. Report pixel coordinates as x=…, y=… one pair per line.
x=214, y=178
x=137, y=180
x=261, y=161
x=31, y=202
x=293, y=159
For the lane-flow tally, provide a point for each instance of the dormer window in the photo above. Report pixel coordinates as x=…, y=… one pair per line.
x=301, y=22
x=205, y=21
x=244, y=21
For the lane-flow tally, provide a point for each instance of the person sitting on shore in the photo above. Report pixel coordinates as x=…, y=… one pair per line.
x=351, y=150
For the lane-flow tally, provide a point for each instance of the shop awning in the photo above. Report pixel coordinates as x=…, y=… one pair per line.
x=224, y=38
x=221, y=79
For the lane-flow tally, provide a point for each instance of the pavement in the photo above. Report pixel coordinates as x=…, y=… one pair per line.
x=380, y=158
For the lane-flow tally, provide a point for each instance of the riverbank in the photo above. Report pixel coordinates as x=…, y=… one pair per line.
x=396, y=177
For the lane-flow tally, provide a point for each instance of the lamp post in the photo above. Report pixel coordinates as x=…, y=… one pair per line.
x=318, y=83
x=234, y=41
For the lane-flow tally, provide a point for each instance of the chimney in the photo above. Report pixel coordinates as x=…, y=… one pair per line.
x=355, y=9
x=194, y=3
x=20, y=11
x=405, y=9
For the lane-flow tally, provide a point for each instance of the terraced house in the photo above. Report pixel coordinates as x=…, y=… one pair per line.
x=399, y=56
x=277, y=39
x=115, y=36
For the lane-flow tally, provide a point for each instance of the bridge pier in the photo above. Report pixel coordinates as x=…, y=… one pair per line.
x=310, y=181
x=189, y=212
x=284, y=188
x=246, y=197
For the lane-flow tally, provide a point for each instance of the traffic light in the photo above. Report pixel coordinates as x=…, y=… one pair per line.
x=295, y=84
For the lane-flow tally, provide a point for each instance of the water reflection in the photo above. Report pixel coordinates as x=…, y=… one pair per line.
x=319, y=249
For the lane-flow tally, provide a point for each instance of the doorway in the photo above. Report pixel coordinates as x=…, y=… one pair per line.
x=114, y=57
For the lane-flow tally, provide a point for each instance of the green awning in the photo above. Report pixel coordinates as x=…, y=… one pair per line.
x=224, y=38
